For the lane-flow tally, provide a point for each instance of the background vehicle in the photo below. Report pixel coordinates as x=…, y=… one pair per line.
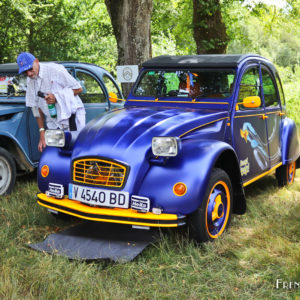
x=194, y=131
x=19, y=134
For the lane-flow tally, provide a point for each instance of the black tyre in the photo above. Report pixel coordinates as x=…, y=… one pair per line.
x=213, y=216
x=285, y=174
x=7, y=172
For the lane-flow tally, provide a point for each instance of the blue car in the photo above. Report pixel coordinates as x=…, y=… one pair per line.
x=19, y=135
x=194, y=131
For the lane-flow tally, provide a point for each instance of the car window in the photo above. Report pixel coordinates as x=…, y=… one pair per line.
x=111, y=87
x=91, y=90
x=281, y=94
x=13, y=85
x=270, y=94
x=250, y=85
x=186, y=83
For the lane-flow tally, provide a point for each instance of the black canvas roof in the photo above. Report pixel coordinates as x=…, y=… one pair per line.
x=192, y=61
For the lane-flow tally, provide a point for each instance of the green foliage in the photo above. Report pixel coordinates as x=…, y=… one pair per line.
x=259, y=247
x=57, y=30
x=273, y=33
x=290, y=77
x=266, y=30
x=172, y=30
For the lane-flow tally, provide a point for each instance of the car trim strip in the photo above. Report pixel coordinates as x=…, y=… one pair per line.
x=183, y=134
x=166, y=101
x=262, y=175
x=124, y=216
x=111, y=219
x=244, y=116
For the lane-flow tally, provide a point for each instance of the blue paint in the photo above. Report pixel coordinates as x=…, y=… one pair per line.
x=208, y=128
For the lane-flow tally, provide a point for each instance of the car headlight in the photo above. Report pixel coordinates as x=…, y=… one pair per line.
x=55, y=138
x=165, y=146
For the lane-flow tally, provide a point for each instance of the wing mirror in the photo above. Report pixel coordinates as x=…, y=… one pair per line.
x=113, y=97
x=250, y=102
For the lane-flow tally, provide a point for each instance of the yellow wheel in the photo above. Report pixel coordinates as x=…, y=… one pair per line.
x=285, y=174
x=210, y=220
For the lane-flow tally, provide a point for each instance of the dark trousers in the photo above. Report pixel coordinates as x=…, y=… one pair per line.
x=72, y=123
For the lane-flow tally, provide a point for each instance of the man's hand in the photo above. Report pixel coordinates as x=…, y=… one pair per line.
x=50, y=98
x=42, y=142
x=77, y=91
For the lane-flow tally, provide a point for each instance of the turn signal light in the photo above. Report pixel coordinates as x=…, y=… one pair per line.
x=45, y=171
x=179, y=189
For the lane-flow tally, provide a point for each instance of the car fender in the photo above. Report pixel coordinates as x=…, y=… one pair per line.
x=58, y=162
x=15, y=148
x=192, y=167
x=289, y=142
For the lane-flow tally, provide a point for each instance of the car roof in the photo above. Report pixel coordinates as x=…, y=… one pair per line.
x=205, y=60
x=13, y=68
x=9, y=68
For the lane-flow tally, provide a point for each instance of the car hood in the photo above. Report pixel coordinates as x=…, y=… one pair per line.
x=128, y=132
x=126, y=135
x=6, y=109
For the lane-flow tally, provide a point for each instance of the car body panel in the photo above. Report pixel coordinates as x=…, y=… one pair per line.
x=247, y=143
x=289, y=140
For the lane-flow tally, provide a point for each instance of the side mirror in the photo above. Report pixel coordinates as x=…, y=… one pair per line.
x=112, y=97
x=250, y=102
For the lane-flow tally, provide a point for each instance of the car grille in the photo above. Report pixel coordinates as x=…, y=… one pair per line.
x=99, y=172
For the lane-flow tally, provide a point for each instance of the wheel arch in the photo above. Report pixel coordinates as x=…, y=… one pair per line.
x=228, y=162
x=23, y=164
x=192, y=167
x=289, y=142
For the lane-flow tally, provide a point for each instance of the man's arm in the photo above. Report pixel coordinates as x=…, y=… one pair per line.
x=40, y=121
x=50, y=98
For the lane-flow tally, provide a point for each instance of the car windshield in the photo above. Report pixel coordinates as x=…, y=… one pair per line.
x=186, y=83
x=12, y=85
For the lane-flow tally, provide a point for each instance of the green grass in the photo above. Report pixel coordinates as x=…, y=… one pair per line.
x=259, y=247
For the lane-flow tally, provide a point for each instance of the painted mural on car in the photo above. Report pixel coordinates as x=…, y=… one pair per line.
x=194, y=131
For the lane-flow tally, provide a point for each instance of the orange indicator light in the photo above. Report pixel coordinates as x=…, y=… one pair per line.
x=45, y=171
x=179, y=189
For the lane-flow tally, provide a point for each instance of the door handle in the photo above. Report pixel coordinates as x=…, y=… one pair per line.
x=264, y=117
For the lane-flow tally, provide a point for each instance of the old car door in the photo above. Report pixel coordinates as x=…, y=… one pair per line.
x=93, y=95
x=249, y=129
x=273, y=113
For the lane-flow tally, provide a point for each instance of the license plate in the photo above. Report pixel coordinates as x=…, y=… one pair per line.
x=55, y=190
x=98, y=197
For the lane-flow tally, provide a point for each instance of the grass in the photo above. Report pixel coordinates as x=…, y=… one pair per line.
x=259, y=247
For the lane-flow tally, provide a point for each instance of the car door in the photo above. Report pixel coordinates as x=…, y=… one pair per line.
x=249, y=128
x=274, y=115
x=93, y=96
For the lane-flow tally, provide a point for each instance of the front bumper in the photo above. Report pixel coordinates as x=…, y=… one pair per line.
x=111, y=215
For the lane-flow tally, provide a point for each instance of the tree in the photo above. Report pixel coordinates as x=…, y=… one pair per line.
x=131, y=21
x=11, y=35
x=209, y=29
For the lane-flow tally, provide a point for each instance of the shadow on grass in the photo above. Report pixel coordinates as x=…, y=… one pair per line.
x=259, y=187
x=31, y=177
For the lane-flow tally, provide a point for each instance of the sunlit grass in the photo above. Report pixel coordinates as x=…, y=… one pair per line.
x=259, y=247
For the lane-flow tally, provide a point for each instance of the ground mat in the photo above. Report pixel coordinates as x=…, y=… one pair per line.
x=93, y=240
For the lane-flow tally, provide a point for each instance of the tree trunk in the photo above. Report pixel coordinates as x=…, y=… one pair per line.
x=131, y=21
x=209, y=29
